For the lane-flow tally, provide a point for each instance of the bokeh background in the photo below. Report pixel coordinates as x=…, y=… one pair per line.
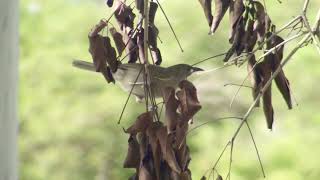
x=68, y=117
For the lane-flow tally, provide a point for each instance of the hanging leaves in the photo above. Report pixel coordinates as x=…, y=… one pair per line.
x=124, y=16
x=171, y=105
x=102, y=52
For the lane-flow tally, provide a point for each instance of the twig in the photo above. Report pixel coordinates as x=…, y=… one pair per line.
x=174, y=33
x=315, y=40
x=211, y=57
x=256, y=148
x=233, y=84
x=213, y=120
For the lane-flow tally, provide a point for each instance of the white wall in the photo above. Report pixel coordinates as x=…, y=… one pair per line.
x=8, y=88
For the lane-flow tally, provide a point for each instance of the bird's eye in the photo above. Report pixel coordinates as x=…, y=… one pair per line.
x=191, y=70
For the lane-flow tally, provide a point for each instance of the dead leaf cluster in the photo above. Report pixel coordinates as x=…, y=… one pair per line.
x=157, y=150
x=263, y=71
x=104, y=55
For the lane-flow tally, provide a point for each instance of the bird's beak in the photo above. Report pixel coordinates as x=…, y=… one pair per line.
x=195, y=69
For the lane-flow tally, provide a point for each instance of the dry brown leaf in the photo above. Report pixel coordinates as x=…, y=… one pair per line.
x=171, y=106
x=189, y=102
x=155, y=146
x=141, y=124
x=255, y=78
x=221, y=6
x=124, y=16
x=167, y=150
x=259, y=24
x=99, y=51
x=111, y=55
x=133, y=155
x=206, y=6
x=235, y=13
x=118, y=40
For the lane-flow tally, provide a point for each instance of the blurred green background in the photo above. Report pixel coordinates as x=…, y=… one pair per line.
x=68, y=116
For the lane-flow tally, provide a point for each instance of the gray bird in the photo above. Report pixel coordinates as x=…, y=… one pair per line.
x=161, y=77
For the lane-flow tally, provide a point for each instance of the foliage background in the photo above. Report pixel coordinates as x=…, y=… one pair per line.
x=68, y=117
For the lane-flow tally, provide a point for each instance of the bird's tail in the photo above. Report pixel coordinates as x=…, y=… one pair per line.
x=83, y=65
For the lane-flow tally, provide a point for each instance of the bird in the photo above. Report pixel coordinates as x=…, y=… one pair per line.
x=130, y=76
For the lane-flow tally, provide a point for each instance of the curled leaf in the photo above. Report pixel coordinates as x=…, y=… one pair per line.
x=111, y=55
x=189, y=102
x=124, y=15
x=171, y=105
x=155, y=146
x=101, y=52
x=141, y=124
x=221, y=6
x=206, y=6
x=275, y=59
x=133, y=155
x=267, y=96
x=118, y=40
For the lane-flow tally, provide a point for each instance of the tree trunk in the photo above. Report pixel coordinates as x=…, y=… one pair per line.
x=8, y=88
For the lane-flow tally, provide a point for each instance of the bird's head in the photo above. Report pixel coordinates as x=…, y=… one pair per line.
x=184, y=70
